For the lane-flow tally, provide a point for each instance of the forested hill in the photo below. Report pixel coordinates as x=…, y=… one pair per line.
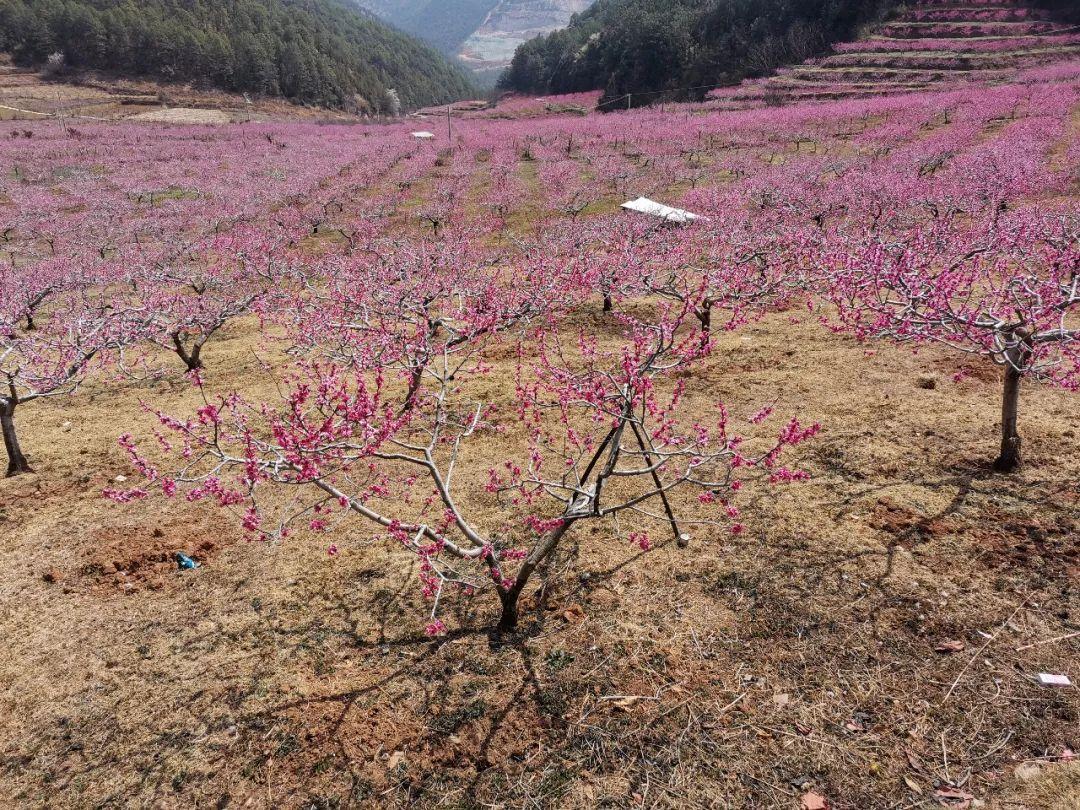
x=322, y=52
x=664, y=46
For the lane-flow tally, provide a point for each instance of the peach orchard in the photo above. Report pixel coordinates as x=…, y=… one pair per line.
x=395, y=274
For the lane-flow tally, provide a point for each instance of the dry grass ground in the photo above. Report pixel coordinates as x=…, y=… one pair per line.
x=742, y=672
x=26, y=95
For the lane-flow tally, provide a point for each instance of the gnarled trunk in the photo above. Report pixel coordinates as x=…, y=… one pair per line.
x=17, y=462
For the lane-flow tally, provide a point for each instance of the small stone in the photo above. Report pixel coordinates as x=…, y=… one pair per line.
x=51, y=575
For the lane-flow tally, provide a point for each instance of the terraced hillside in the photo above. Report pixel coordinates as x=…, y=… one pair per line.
x=929, y=44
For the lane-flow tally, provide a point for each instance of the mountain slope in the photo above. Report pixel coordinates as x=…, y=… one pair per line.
x=446, y=24
x=512, y=22
x=312, y=51
x=659, y=48
x=483, y=33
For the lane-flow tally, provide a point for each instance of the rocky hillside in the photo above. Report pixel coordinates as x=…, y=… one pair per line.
x=510, y=23
x=483, y=33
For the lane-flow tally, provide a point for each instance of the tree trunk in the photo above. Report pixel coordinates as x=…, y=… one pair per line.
x=607, y=303
x=508, y=619
x=509, y=597
x=705, y=316
x=17, y=463
x=1009, y=459
x=191, y=359
x=416, y=377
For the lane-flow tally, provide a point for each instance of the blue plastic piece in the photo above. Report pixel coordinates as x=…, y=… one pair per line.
x=185, y=562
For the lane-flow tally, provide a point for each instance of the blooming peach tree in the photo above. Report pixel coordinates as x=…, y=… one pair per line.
x=1011, y=294
x=593, y=429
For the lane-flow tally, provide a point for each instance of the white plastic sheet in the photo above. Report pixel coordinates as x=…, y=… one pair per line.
x=644, y=205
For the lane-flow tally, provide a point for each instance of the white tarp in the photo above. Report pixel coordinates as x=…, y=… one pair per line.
x=644, y=205
x=424, y=135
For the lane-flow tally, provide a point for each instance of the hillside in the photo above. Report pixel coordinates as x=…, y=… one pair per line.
x=666, y=47
x=482, y=33
x=320, y=52
x=27, y=95
x=933, y=44
x=446, y=25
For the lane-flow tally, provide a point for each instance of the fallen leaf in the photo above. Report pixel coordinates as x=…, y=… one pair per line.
x=814, y=801
x=913, y=786
x=914, y=763
x=953, y=797
x=574, y=613
x=858, y=722
x=804, y=730
x=396, y=759
x=951, y=645
x=781, y=698
x=625, y=703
